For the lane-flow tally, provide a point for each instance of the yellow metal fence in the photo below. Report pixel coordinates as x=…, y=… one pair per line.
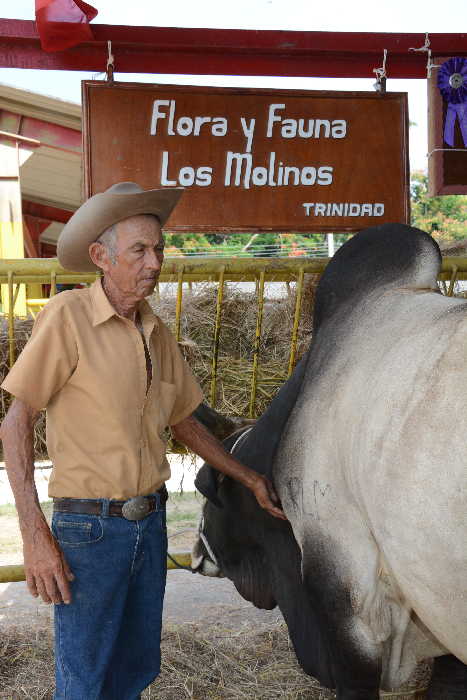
x=15, y=273
x=181, y=270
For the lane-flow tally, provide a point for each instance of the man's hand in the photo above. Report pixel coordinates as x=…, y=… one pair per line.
x=195, y=436
x=47, y=573
x=264, y=492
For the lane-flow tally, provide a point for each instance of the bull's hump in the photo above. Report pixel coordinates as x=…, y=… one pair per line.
x=378, y=258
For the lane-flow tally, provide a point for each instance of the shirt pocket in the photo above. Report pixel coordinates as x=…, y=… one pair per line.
x=73, y=530
x=166, y=402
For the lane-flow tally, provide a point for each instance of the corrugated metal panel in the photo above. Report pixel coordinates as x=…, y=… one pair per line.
x=51, y=233
x=49, y=109
x=51, y=176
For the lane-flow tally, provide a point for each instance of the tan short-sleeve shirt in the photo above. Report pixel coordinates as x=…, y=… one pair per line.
x=87, y=366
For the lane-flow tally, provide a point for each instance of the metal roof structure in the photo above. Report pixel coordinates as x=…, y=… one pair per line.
x=231, y=51
x=51, y=128
x=50, y=176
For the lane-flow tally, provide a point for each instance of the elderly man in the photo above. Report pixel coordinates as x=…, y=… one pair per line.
x=112, y=379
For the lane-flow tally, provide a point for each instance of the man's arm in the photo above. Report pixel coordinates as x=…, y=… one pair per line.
x=47, y=573
x=195, y=436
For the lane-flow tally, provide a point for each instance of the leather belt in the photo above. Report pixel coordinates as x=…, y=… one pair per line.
x=134, y=509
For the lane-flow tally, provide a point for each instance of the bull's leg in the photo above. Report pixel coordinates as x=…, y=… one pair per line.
x=357, y=674
x=356, y=659
x=342, y=582
x=449, y=679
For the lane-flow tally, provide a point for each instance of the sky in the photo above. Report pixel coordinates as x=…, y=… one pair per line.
x=302, y=15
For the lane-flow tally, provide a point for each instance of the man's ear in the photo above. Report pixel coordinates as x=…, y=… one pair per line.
x=98, y=255
x=207, y=483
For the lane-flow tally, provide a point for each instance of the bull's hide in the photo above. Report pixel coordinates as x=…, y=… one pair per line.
x=369, y=457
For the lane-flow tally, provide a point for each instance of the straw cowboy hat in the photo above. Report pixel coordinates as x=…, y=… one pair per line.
x=106, y=209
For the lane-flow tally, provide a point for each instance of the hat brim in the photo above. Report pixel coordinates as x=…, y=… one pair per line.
x=104, y=210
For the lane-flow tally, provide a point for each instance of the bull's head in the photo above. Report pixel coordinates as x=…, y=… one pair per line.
x=229, y=539
x=228, y=542
x=203, y=558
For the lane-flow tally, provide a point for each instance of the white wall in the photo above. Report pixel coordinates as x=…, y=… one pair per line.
x=183, y=476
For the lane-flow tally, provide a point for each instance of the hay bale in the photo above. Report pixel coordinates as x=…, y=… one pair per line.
x=237, y=340
x=23, y=328
x=26, y=664
x=200, y=662
x=197, y=330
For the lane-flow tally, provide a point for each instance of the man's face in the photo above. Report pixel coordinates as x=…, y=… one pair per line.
x=140, y=253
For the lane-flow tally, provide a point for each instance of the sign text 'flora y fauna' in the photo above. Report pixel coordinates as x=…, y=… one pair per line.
x=253, y=159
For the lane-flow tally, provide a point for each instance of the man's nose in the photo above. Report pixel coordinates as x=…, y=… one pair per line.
x=154, y=260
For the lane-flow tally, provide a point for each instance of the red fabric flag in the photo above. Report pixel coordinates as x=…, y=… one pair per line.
x=63, y=23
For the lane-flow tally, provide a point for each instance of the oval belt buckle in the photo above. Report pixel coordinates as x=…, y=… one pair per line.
x=136, y=508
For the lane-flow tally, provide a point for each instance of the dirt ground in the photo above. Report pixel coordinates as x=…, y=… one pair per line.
x=215, y=645
x=206, y=624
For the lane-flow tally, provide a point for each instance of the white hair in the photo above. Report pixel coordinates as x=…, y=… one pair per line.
x=108, y=239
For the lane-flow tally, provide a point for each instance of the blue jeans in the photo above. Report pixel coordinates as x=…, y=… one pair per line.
x=107, y=641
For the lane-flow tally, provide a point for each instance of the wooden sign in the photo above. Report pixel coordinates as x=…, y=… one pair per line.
x=447, y=127
x=253, y=160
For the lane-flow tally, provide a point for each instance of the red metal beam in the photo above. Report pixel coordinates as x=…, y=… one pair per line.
x=45, y=213
x=36, y=226
x=30, y=240
x=52, y=135
x=230, y=51
x=37, y=132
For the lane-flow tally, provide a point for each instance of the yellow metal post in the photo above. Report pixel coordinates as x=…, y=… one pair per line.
x=178, y=307
x=217, y=330
x=15, y=572
x=37, y=270
x=11, y=320
x=53, y=283
x=452, y=281
x=11, y=218
x=296, y=321
x=259, y=325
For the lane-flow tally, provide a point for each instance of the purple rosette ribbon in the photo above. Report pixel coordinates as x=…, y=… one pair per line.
x=452, y=83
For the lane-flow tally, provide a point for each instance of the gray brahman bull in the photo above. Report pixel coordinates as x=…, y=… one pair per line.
x=367, y=447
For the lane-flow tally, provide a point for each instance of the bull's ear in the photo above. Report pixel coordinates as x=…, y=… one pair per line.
x=207, y=483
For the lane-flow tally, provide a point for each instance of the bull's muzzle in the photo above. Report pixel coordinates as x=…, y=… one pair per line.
x=201, y=561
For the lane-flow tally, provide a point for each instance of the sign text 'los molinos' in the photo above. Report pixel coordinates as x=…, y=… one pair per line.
x=253, y=159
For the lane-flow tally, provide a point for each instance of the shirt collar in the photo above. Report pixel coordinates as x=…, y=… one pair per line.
x=148, y=317
x=103, y=309
x=101, y=306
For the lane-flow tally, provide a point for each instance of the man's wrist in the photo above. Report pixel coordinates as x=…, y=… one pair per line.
x=250, y=478
x=32, y=526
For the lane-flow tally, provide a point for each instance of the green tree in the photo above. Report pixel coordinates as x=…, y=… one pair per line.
x=445, y=218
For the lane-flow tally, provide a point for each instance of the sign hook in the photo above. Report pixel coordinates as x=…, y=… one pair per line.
x=427, y=47
x=381, y=75
x=110, y=63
